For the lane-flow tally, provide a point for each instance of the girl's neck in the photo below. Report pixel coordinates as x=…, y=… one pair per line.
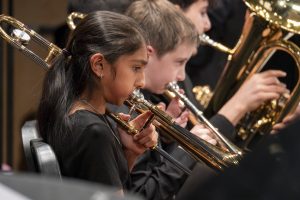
x=89, y=101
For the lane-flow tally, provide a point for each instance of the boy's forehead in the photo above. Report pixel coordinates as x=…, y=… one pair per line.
x=182, y=49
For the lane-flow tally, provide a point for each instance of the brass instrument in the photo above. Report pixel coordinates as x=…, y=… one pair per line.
x=198, y=148
x=206, y=40
x=203, y=94
x=71, y=19
x=133, y=131
x=20, y=38
x=195, y=146
x=173, y=87
x=266, y=30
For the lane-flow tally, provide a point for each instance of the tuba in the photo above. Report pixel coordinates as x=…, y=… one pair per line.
x=267, y=30
x=201, y=150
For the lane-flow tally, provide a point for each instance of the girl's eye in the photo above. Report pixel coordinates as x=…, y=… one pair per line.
x=181, y=62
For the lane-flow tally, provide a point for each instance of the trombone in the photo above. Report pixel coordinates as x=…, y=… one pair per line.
x=198, y=148
x=192, y=144
x=133, y=131
x=173, y=87
x=195, y=146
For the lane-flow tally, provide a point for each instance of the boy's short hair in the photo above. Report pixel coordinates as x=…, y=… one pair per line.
x=165, y=25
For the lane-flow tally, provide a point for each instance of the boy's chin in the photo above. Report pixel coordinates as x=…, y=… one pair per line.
x=158, y=91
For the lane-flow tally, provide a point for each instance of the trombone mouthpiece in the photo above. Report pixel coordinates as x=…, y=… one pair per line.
x=172, y=86
x=136, y=94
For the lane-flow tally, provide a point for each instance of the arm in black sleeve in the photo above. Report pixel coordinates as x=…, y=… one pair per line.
x=100, y=157
x=219, y=121
x=155, y=178
x=223, y=125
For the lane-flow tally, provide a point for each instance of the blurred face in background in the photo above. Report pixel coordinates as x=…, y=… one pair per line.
x=197, y=13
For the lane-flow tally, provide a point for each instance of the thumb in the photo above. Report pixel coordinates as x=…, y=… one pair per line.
x=161, y=106
x=124, y=117
x=140, y=120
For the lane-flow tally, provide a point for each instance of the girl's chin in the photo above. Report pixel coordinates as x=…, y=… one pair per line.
x=118, y=102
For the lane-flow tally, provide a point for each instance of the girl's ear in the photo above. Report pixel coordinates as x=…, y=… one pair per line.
x=96, y=62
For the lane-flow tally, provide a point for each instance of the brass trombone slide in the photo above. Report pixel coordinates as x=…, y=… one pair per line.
x=173, y=87
x=198, y=148
x=132, y=131
x=22, y=35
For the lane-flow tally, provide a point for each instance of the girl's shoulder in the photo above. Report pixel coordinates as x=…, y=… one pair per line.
x=86, y=118
x=88, y=124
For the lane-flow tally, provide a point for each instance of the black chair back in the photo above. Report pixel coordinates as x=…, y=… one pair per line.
x=44, y=158
x=28, y=133
x=39, y=155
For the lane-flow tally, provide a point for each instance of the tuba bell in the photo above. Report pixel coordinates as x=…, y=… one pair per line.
x=267, y=30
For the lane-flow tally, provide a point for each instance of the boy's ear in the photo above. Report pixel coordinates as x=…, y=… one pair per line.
x=96, y=62
x=150, y=50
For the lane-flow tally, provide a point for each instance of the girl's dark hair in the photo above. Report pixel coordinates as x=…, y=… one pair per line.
x=110, y=34
x=87, y=6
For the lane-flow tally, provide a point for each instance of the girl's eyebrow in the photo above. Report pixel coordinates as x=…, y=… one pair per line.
x=143, y=62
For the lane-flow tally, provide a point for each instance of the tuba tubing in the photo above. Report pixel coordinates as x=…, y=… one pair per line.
x=266, y=30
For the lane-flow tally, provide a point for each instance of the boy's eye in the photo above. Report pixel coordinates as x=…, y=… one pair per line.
x=137, y=68
x=203, y=13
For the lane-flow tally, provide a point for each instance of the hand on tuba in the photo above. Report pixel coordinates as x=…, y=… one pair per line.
x=287, y=120
x=256, y=90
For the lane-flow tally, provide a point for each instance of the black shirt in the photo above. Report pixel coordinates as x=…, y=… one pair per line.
x=94, y=153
